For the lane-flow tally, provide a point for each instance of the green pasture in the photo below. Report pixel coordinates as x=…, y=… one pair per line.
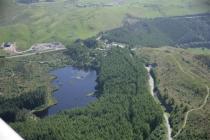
x=64, y=21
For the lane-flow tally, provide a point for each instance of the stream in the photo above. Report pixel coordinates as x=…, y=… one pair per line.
x=166, y=117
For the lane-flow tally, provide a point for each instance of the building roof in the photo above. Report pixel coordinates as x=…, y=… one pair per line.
x=7, y=45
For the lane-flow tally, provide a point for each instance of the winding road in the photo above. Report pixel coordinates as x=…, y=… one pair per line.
x=34, y=53
x=193, y=76
x=195, y=109
x=166, y=117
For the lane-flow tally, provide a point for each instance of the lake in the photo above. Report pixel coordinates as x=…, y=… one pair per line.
x=73, y=87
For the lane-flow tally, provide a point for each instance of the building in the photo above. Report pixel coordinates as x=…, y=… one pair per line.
x=6, y=45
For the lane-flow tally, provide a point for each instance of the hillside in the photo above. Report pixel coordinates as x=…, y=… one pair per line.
x=182, y=31
x=182, y=78
x=66, y=21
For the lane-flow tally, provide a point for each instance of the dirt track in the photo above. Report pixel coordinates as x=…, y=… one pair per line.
x=195, y=109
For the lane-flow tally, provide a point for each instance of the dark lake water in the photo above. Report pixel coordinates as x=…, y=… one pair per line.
x=73, y=86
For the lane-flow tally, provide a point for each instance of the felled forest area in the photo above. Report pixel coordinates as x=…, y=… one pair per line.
x=124, y=110
x=184, y=31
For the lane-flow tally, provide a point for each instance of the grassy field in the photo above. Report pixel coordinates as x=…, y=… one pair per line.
x=182, y=80
x=66, y=21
